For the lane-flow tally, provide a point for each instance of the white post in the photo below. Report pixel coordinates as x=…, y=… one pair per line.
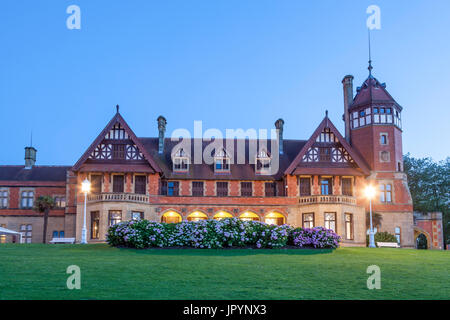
x=371, y=234
x=83, y=231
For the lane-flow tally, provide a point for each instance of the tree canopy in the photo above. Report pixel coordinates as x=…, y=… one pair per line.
x=429, y=184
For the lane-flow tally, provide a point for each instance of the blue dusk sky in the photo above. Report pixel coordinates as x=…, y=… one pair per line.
x=230, y=63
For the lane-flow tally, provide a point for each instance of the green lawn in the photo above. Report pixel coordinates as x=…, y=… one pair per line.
x=37, y=271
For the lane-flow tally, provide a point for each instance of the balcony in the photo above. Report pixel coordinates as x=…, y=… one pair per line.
x=330, y=199
x=118, y=197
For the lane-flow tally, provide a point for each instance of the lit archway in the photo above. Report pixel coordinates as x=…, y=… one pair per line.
x=171, y=217
x=222, y=215
x=197, y=216
x=249, y=216
x=275, y=218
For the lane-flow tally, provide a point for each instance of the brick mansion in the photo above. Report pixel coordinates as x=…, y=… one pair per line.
x=319, y=181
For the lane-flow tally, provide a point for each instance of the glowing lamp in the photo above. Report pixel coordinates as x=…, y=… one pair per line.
x=86, y=186
x=370, y=192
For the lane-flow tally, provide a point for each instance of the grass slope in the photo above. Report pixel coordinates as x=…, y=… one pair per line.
x=37, y=271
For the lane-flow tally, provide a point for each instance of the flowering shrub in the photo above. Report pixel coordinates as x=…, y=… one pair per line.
x=216, y=234
x=317, y=237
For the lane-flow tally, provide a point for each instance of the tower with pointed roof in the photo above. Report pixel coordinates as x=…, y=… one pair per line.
x=374, y=128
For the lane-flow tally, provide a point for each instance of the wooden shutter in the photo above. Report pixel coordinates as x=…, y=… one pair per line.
x=118, y=181
x=140, y=184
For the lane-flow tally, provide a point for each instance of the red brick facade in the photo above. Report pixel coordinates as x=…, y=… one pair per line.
x=315, y=176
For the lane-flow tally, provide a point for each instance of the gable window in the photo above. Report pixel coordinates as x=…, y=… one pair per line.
x=246, y=189
x=330, y=221
x=27, y=199
x=95, y=224
x=115, y=217
x=263, y=162
x=222, y=189
x=180, y=161
x=347, y=187
x=349, y=226
x=385, y=193
x=117, y=133
x=96, y=183
x=60, y=202
x=221, y=162
x=180, y=164
x=118, y=183
x=325, y=186
x=324, y=154
x=222, y=165
x=270, y=189
x=118, y=151
x=4, y=198
x=140, y=184
x=308, y=220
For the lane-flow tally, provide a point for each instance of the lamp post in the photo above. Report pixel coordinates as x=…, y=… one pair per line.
x=85, y=187
x=370, y=193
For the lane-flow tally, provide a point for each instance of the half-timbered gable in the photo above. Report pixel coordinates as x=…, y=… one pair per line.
x=327, y=149
x=117, y=147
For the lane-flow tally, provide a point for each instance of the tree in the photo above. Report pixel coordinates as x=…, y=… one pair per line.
x=429, y=184
x=44, y=204
x=376, y=219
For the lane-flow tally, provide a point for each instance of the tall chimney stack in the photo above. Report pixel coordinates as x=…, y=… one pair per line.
x=279, y=125
x=347, y=83
x=162, y=129
x=30, y=157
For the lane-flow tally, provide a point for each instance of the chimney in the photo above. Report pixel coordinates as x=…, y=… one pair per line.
x=279, y=125
x=30, y=157
x=347, y=83
x=162, y=129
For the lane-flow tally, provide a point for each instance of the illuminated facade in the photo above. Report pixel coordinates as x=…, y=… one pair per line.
x=319, y=182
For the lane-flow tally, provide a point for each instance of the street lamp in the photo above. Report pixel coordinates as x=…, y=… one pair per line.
x=370, y=193
x=85, y=187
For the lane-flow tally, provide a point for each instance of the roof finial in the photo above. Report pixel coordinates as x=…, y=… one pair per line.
x=370, y=57
x=326, y=117
x=117, y=108
x=326, y=113
x=31, y=139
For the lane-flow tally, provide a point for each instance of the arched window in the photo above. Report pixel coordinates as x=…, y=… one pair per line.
x=197, y=216
x=275, y=218
x=171, y=217
x=222, y=215
x=55, y=234
x=249, y=216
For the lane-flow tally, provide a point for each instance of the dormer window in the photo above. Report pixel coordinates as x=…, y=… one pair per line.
x=180, y=161
x=263, y=162
x=221, y=161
